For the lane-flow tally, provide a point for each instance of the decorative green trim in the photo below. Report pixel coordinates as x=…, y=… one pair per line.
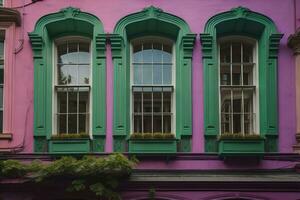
x=241, y=21
x=241, y=147
x=40, y=144
x=70, y=146
x=152, y=146
x=67, y=22
x=165, y=25
x=185, y=144
x=98, y=143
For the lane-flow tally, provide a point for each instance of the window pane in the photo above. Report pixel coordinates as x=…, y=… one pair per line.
x=67, y=74
x=62, y=51
x=248, y=100
x=1, y=74
x=61, y=123
x=147, y=74
x=157, y=74
x=83, y=126
x=167, y=102
x=137, y=124
x=157, y=124
x=72, y=102
x=247, y=53
x=84, y=102
x=236, y=52
x=157, y=53
x=225, y=75
x=167, y=124
x=147, y=96
x=225, y=122
x=147, y=123
x=167, y=74
x=137, y=53
x=225, y=100
x=137, y=102
x=147, y=53
x=84, y=74
x=248, y=74
x=237, y=110
x=63, y=77
x=62, y=102
x=72, y=123
x=83, y=54
x=236, y=75
x=225, y=53
x=167, y=53
x=138, y=74
x=157, y=105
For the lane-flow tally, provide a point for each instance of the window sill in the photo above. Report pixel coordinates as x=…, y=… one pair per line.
x=5, y=136
x=152, y=145
x=241, y=147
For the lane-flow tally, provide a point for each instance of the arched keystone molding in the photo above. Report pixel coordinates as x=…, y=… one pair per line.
x=67, y=22
x=262, y=28
x=167, y=25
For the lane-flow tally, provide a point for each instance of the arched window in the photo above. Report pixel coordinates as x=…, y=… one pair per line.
x=64, y=85
x=152, y=53
x=238, y=85
x=240, y=68
x=72, y=86
x=152, y=84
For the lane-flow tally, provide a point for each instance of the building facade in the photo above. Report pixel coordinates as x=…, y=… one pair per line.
x=204, y=93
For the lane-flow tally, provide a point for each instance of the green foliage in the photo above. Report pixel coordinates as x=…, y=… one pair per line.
x=70, y=136
x=152, y=136
x=239, y=136
x=100, y=175
x=151, y=194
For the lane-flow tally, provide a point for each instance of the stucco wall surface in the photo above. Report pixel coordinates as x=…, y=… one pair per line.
x=195, y=13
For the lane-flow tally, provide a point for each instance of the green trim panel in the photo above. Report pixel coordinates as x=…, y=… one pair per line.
x=246, y=147
x=165, y=25
x=152, y=146
x=262, y=29
x=67, y=22
x=69, y=146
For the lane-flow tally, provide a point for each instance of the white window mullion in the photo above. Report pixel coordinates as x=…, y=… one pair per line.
x=242, y=84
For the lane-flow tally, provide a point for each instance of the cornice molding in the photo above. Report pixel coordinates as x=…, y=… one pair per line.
x=151, y=13
x=10, y=15
x=294, y=41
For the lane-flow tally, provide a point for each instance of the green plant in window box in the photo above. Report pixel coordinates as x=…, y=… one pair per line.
x=64, y=136
x=239, y=136
x=240, y=145
x=152, y=136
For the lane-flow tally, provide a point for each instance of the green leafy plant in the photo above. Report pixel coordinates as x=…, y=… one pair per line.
x=100, y=175
x=64, y=136
x=152, y=136
x=239, y=136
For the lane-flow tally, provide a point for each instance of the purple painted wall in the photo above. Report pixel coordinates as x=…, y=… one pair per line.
x=195, y=13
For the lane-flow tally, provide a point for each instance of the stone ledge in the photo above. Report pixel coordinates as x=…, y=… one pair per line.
x=5, y=136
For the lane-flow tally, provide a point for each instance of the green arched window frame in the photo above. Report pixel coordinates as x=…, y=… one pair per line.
x=67, y=22
x=152, y=22
x=242, y=22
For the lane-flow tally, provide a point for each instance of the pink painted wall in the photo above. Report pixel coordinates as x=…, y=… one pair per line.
x=195, y=13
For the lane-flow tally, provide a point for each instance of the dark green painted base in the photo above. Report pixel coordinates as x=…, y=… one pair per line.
x=185, y=143
x=241, y=147
x=152, y=146
x=98, y=143
x=40, y=144
x=119, y=143
x=70, y=146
